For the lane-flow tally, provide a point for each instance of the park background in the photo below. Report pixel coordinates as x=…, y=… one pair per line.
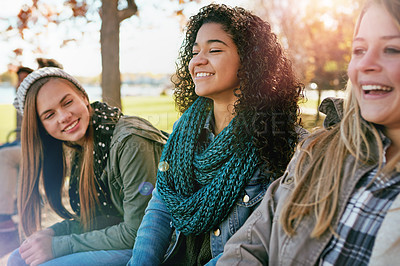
x=124, y=51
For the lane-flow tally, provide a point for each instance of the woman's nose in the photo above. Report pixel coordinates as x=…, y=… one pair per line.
x=199, y=59
x=370, y=62
x=64, y=116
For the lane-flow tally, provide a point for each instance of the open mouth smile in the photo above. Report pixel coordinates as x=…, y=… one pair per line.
x=71, y=126
x=203, y=74
x=376, y=89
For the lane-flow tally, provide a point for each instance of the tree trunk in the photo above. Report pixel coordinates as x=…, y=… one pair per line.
x=109, y=40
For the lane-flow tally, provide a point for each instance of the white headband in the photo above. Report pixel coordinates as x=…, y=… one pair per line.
x=44, y=72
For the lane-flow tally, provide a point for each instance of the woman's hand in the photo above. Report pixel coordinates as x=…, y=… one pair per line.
x=37, y=249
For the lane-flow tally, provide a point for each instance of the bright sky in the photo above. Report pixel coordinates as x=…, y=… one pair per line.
x=148, y=42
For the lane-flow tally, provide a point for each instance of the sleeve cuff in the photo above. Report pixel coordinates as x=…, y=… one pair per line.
x=57, y=229
x=61, y=246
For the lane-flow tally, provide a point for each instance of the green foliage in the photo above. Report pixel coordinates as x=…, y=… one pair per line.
x=318, y=35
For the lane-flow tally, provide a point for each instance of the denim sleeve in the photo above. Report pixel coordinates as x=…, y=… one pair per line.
x=154, y=234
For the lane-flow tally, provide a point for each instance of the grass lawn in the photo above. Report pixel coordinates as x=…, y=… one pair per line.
x=159, y=110
x=8, y=120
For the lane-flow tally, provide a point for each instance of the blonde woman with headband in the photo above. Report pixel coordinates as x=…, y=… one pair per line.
x=113, y=170
x=338, y=202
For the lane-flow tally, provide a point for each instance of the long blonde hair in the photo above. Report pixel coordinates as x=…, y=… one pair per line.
x=43, y=159
x=318, y=170
x=317, y=182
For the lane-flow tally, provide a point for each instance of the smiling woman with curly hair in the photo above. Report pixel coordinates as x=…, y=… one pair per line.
x=238, y=96
x=268, y=95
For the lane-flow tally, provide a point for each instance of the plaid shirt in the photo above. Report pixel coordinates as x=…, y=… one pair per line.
x=361, y=220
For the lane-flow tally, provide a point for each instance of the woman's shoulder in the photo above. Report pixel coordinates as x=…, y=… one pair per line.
x=140, y=127
x=302, y=133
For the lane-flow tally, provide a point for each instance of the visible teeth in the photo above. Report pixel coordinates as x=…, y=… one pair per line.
x=203, y=74
x=71, y=126
x=375, y=88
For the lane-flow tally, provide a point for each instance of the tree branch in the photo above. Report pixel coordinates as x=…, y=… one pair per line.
x=129, y=11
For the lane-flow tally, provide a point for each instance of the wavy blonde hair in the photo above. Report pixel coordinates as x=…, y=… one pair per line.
x=318, y=170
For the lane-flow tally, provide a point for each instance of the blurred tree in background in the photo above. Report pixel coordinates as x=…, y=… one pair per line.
x=112, y=13
x=40, y=15
x=317, y=35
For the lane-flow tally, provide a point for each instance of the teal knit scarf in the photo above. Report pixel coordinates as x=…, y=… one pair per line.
x=201, y=188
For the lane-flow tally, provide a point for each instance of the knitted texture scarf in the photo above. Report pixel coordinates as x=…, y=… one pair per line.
x=104, y=119
x=200, y=187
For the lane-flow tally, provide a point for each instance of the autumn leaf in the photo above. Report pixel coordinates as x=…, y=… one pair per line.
x=18, y=51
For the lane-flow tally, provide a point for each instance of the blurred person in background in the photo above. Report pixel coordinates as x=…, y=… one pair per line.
x=10, y=158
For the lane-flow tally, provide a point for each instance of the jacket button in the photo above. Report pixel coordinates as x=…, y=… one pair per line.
x=217, y=232
x=163, y=166
x=246, y=198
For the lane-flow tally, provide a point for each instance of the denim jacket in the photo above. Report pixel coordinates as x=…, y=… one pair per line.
x=157, y=240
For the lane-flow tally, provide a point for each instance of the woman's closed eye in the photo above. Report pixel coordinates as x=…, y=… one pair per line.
x=48, y=115
x=215, y=50
x=392, y=50
x=67, y=102
x=358, y=51
x=210, y=51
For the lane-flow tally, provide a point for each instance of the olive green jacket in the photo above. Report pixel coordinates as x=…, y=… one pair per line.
x=135, y=151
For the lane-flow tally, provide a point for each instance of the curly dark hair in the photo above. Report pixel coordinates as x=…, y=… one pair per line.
x=269, y=90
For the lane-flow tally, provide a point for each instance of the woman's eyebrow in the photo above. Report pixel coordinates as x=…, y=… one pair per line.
x=216, y=40
x=212, y=41
x=390, y=37
x=386, y=37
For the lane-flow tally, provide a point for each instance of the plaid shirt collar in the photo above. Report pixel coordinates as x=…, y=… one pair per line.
x=362, y=217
